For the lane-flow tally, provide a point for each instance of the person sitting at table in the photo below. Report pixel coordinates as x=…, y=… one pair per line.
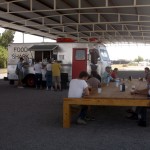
x=114, y=73
x=106, y=76
x=93, y=81
x=77, y=89
x=142, y=111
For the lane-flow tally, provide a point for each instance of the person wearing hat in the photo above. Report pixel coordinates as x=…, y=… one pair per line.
x=20, y=72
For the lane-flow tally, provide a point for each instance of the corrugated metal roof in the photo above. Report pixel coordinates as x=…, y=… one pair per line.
x=107, y=20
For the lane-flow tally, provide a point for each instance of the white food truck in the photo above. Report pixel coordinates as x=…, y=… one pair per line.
x=74, y=58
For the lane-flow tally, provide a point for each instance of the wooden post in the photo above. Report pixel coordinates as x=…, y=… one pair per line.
x=66, y=115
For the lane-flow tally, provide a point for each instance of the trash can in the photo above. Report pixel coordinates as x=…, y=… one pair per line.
x=64, y=80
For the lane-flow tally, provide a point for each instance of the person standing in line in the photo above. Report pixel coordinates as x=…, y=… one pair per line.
x=20, y=72
x=48, y=75
x=38, y=74
x=78, y=88
x=56, y=67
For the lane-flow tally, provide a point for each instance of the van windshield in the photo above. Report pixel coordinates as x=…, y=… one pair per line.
x=104, y=55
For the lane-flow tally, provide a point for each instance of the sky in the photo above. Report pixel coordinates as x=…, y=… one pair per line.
x=115, y=51
x=18, y=38
x=128, y=52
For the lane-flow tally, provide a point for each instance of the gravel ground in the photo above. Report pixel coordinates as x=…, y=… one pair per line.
x=32, y=120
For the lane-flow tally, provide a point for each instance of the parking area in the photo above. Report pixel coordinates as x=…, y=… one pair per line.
x=31, y=119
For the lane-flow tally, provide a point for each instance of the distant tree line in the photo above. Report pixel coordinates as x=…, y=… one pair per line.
x=139, y=59
x=120, y=61
x=136, y=60
x=5, y=39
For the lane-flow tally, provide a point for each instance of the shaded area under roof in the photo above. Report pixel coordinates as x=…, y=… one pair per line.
x=43, y=47
x=106, y=21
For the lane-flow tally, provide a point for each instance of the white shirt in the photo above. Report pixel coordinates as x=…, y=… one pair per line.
x=38, y=68
x=76, y=88
x=49, y=67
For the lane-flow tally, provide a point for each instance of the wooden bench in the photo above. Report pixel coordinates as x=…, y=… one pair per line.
x=68, y=102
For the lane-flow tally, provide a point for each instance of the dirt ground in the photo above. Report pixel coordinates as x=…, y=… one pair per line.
x=121, y=67
x=3, y=70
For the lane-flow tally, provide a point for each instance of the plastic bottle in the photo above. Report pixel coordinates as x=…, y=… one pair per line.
x=122, y=87
x=117, y=82
x=108, y=80
x=130, y=78
x=99, y=90
x=148, y=94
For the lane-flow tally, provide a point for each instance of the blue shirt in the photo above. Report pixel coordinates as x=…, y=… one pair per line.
x=106, y=77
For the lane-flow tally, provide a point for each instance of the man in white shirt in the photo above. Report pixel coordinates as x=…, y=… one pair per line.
x=78, y=88
x=38, y=74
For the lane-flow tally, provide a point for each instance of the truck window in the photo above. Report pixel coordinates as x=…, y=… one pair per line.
x=104, y=54
x=54, y=57
x=43, y=55
x=38, y=55
x=46, y=55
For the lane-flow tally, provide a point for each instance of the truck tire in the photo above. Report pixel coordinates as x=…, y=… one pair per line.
x=30, y=80
x=11, y=82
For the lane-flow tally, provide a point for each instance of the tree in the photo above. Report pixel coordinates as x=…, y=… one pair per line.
x=138, y=59
x=3, y=57
x=6, y=38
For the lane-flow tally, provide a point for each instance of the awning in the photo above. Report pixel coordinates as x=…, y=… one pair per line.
x=43, y=47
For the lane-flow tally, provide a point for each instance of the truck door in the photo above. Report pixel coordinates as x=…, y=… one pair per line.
x=79, y=61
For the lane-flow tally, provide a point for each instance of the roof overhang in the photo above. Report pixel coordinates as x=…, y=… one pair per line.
x=43, y=47
x=108, y=21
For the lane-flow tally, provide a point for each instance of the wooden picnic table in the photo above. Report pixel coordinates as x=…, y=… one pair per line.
x=110, y=96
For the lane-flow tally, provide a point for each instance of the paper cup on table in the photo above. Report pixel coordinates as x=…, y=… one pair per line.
x=117, y=82
x=133, y=87
x=132, y=91
x=99, y=90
